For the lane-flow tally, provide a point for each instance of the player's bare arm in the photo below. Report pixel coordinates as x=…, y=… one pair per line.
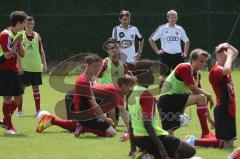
x=231, y=53
x=99, y=112
x=186, y=48
x=21, y=48
x=154, y=46
x=140, y=48
x=43, y=58
x=197, y=90
x=44, y=62
x=12, y=51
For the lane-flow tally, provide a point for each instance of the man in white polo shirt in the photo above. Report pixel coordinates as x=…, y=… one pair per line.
x=126, y=35
x=170, y=36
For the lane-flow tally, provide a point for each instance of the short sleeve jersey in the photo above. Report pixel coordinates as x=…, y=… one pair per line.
x=126, y=37
x=170, y=38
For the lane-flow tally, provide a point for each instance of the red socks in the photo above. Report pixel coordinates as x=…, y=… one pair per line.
x=71, y=125
x=20, y=104
x=7, y=115
x=36, y=96
x=202, y=116
x=209, y=142
x=13, y=107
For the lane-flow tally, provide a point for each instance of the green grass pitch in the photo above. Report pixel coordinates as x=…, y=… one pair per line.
x=56, y=143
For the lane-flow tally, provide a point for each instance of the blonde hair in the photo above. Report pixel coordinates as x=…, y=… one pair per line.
x=171, y=12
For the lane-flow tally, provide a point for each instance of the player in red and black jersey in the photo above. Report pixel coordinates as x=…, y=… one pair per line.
x=225, y=111
x=89, y=102
x=11, y=46
x=221, y=81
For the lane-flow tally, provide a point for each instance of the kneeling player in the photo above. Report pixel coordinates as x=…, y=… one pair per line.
x=225, y=111
x=203, y=112
x=147, y=135
x=179, y=91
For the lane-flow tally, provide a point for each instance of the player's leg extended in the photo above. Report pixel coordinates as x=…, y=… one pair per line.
x=47, y=120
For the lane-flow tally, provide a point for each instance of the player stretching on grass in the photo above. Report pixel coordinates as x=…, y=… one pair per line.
x=179, y=91
x=85, y=102
x=11, y=46
x=89, y=123
x=225, y=111
x=32, y=63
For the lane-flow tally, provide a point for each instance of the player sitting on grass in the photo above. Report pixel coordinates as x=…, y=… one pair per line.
x=110, y=96
x=202, y=111
x=225, y=111
x=85, y=104
x=147, y=134
x=179, y=91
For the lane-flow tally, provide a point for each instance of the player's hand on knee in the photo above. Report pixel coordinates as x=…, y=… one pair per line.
x=210, y=100
x=110, y=122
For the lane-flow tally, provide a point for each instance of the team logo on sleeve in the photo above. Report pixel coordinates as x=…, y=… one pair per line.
x=121, y=34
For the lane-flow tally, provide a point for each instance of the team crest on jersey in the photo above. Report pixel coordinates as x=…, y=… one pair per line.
x=121, y=34
x=29, y=47
x=132, y=36
x=166, y=31
x=177, y=33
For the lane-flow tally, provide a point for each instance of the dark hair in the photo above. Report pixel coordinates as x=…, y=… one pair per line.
x=89, y=59
x=124, y=13
x=143, y=70
x=125, y=80
x=30, y=18
x=17, y=16
x=109, y=41
x=198, y=52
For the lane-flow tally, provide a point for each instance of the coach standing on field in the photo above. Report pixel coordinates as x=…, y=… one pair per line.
x=170, y=36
